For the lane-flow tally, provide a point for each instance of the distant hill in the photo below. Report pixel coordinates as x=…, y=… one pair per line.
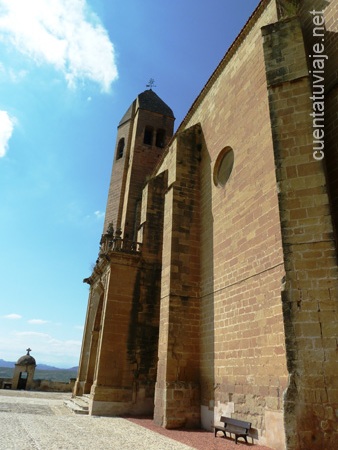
x=4, y=363
x=11, y=365
x=42, y=371
x=46, y=367
x=51, y=375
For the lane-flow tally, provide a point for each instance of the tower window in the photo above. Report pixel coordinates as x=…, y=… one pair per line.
x=148, y=135
x=160, y=138
x=120, y=149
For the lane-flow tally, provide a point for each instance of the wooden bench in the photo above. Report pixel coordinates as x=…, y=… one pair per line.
x=233, y=426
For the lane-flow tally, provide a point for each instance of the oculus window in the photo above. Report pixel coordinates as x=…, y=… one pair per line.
x=223, y=166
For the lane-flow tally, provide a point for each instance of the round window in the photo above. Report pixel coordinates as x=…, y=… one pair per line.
x=223, y=166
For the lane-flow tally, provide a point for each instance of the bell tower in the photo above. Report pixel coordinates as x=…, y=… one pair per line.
x=118, y=357
x=142, y=134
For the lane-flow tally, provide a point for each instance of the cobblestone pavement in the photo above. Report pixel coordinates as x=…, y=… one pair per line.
x=40, y=421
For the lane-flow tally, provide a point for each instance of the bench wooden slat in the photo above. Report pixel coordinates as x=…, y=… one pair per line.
x=239, y=428
x=239, y=423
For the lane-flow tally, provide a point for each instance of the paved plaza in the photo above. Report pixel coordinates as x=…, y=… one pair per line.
x=41, y=421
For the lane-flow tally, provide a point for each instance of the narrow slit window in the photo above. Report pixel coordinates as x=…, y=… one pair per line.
x=160, y=138
x=148, y=136
x=120, y=149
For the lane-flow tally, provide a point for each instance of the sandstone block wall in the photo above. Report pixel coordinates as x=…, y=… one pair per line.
x=243, y=361
x=313, y=34
x=310, y=291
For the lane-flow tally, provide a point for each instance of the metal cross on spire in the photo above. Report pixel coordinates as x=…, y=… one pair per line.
x=151, y=83
x=28, y=350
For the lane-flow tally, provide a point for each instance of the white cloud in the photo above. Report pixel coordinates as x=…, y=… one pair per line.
x=6, y=129
x=63, y=33
x=31, y=334
x=99, y=214
x=45, y=344
x=45, y=348
x=16, y=76
x=12, y=316
x=9, y=74
x=37, y=321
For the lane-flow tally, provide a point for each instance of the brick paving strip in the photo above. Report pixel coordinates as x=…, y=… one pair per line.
x=41, y=421
x=198, y=439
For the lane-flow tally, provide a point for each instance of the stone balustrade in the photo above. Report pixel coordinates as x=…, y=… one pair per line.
x=112, y=242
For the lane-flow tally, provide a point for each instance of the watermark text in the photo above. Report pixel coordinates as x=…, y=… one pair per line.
x=318, y=60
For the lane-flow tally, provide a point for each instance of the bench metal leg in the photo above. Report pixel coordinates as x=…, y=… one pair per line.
x=237, y=437
x=216, y=431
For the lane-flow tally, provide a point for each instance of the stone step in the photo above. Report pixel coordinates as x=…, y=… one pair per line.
x=78, y=405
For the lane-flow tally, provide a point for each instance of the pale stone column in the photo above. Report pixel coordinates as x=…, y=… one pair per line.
x=111, y=391
x=89, y=343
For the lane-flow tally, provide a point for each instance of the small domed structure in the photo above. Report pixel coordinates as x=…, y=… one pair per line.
x=24, y=371
x=26, y=360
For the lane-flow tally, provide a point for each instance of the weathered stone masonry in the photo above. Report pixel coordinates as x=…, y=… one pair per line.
x=310, y=291
x=177, y=401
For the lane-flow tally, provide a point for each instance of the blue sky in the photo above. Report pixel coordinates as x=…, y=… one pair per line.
x=69, y=69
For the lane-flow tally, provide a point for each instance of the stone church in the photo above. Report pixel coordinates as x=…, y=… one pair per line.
x=215, y=290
